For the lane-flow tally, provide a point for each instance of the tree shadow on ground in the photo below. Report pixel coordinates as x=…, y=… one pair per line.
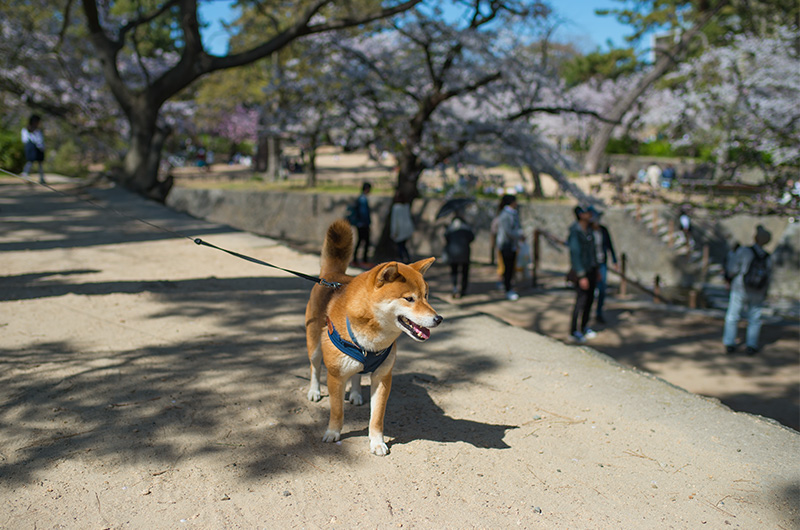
x=231, y=391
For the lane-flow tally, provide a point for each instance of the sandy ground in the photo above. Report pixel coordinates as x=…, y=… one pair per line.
x=679, y=345
x=148, y=382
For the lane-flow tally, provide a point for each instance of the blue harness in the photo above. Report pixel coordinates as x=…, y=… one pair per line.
x=370, y=359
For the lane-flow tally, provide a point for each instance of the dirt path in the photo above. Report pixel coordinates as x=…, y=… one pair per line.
x=681, y=346
x=147, y=382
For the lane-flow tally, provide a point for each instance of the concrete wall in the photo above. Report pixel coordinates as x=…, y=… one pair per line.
x=304, y=217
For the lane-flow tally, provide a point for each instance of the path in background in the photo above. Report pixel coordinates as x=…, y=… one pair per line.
x=683, y=347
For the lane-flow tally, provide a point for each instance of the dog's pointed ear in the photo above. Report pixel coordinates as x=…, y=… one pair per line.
x=387, y=274
x=422, y=265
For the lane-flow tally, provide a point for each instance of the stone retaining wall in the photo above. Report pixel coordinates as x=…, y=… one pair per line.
x=304, y=217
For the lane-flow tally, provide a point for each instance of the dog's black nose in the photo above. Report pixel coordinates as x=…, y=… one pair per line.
x=437, y=320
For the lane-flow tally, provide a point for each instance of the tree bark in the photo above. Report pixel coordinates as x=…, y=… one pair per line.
x=311, y=169
x=666, y=62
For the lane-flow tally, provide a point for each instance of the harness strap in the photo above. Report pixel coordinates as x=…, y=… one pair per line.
x=370, y=360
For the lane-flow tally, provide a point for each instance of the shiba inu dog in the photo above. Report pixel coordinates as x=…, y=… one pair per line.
x=354, y=328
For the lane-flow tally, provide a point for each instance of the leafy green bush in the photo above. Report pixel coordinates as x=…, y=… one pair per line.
x=12, y=152
x=656, y=148
x=622, y=146
x=68, y=161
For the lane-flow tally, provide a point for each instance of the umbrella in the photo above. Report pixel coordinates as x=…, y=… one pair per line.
x=454, y=205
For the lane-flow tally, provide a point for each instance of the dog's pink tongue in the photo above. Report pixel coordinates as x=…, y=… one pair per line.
x=423, y=333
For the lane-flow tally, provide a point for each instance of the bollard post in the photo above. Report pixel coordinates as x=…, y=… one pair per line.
x=671, y=232
x=657, y=289
x=704, y=271
x=623, y=283
x=535, y=275
x=638, y=212
x=655, y=221
x=693, y=299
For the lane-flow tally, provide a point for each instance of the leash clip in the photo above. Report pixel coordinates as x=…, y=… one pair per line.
x=331, y=285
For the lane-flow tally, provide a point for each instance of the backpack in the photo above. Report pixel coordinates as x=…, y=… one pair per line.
x=757, y=273
x=353, y=216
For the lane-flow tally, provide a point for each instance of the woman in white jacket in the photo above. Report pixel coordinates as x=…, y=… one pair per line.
x=33, y=141
x=401, y=227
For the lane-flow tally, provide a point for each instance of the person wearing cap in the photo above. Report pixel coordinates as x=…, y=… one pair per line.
x=583, y=260
x=746, y=297
x=603, y=245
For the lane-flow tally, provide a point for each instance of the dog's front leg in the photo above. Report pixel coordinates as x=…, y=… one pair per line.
x=336, y=393
x=355, y=390
x=379, y=390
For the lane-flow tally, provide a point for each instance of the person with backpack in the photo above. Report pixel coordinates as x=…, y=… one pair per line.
x=750, y=269
x=359, y=217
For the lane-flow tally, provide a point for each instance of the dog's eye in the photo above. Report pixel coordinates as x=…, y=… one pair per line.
x=409, y=298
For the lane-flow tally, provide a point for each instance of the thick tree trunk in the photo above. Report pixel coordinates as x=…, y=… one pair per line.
x=141, y=162
x=408, y=175
x=536, y=179
x=667, y=60
x=311, y=169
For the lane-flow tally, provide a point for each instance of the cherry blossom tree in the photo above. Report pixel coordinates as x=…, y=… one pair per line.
x=167, y=53
x=741, y=99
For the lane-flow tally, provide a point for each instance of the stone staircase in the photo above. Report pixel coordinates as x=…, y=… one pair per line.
x=698, y=260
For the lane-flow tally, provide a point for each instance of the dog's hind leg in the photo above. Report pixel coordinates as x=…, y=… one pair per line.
x=315, y=359
x=355, y=390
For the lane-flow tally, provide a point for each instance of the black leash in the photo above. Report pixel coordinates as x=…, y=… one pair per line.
x=196, y=240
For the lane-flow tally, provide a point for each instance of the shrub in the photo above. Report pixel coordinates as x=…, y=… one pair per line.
x=12, y=152
x=68, y=161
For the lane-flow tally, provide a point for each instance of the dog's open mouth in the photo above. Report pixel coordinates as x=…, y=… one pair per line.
x=415, y=330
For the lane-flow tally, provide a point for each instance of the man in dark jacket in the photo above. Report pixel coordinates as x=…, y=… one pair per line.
x=603, y=245
x=583, y=258
x=459, y=236
x=361, y=220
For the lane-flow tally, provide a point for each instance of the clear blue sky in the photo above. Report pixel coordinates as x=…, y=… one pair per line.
x=581, y=26
x=586, y=29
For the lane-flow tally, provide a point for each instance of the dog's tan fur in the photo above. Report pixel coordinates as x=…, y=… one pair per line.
x=376, y=302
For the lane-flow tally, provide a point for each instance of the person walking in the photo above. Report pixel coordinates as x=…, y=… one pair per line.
x=360, y=218
x=509, y=234
x=603, y=245
x=401, y=226
x=458, y=237
x=583, y=259
x=751, y=271
x=33, y=142
x=654, y=175
x=686, y=226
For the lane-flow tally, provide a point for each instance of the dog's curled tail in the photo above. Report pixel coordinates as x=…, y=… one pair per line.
x=337, y=249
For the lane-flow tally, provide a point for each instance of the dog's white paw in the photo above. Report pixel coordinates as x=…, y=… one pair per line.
x=377, y=447
x=331, y=436
x=314, y=395
x=355, y=398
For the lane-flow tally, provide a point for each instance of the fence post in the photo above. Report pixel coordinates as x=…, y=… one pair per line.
x=671, y=232
x=655, y=220
x=657, y=289
x=638, y=212
x=535, y=275
x=623, y=284
x=693, y=299
x=704, y=271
